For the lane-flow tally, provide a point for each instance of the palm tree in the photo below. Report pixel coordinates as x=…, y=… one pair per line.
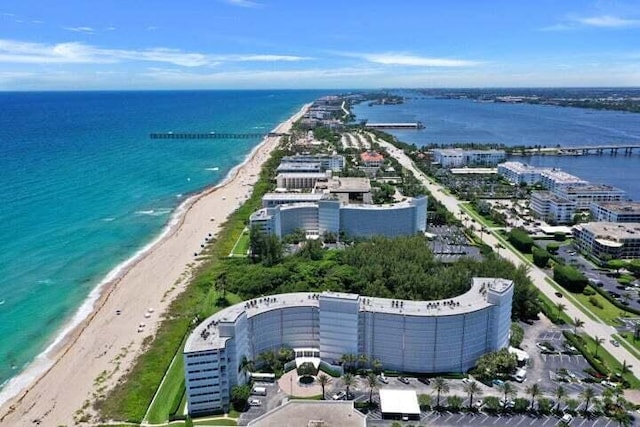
x=376, y=365
x=597, y=341
x=372, y=380
x=363, y=360
x=577, y=323
x=625, y=367
x=561, y=308
x=509, y=391
x=472, y=389
x=587, y=394
x=441, y=386
x=622, y=418
x=323, y=380
x=348, y=360
x=348, y=380
x=533, y=390
x=560, y=394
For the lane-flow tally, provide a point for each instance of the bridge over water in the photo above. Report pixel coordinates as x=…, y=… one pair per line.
x=212, y=135
x=613, y=149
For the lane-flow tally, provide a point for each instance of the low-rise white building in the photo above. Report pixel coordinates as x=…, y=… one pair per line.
x=407, y=336
x=519, y=173
x=623, y=211
x=457, y=157
x=301, y=180
x=334, y=162
x=552, y=208
x=584, y=195
x=608, y=240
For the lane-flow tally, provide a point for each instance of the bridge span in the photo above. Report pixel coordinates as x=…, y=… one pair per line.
x=626, y=149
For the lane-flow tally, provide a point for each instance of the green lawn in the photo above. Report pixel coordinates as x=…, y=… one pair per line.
x=487, y=222
x=242, y=245
x=551, y=307
x=170, y=393
x=218, y=422
x=627, y=341
x=608, y=313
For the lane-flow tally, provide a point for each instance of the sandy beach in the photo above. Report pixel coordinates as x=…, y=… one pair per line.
x=108, y=339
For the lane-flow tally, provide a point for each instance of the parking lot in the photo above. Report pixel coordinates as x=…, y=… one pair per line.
x=432, y=418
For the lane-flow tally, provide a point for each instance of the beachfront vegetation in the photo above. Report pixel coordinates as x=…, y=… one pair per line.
x=130, y=398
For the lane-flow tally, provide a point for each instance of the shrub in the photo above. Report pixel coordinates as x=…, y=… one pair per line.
x=594, y=301
x=540, y=257
x=588, y=291
x=553, y=248
x=517, y=334
x=521, y=240
x=559, y=236
x=569, y=278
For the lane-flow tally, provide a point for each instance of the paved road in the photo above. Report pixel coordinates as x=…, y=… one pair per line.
x=536, y=274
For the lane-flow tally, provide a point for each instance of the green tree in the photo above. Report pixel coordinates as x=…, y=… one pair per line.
x=560, y=308
x=520, y=240
x=323, y=380
x=616, y=264
x=569, y=278
x=454, y=403
x=533, y=391
x=442, y=387
x=560, y=394
x=372, y=381
x=597, y=341
x=239, y=396
x=508, y=391
x=425, y=401
x=544, y=405
x=587, y=394
x=517, y=335
x=472, y=389
x=306, y=369
x=348, y=381
x=572, y=404
x=492, y=403
x=540, y=257
x=577, y=323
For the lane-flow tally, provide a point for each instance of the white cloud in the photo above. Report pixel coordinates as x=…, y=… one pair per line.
x=608, y=21
x=84, y=30
x=601, y=21
x=395, y=58
x=12, y=51
x=244, y=3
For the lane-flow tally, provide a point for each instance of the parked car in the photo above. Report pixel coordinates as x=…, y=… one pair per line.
x=383, y=379
x=255, y=402
x=341, y=395
x=403, y=380
x=615, y=343
x=558, y=294
x=424, y=380
x=478, y=403
x=608, y=384
x=497, y=382
x=467, y=381
x=567, y=418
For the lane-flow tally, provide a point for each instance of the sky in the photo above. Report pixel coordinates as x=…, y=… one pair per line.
x=330, y=44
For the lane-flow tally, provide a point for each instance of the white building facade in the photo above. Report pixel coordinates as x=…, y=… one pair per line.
x=406, y=336
x=404, y=218
x=456, y=157
x=552, y=208
x=626, y=211
x=327, y=161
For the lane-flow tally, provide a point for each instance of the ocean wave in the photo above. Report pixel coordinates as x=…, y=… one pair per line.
x=212, y=169
x=155, y=212
x=108, y=219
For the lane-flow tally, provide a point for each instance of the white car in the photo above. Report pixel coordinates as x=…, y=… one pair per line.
x=566, y=418
x=255, y=402
x=467, y=381
x=339, y=396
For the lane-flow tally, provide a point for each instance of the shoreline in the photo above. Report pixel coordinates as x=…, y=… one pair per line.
x=194, y=214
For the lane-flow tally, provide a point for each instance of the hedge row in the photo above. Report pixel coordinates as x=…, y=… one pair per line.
x=614, y=301
x=578, y=344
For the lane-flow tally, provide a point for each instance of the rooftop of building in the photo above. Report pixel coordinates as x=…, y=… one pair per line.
x=521, y=167
x=206, y=335
x=296, y=166
x=349, y=184
x=293, y=196
x=404, y=203
x=302, y=157
x=623, y=207
x=399, y=401
x=302, y=175
x=459, y=151
x=371, y=156
x=312, y=413
x=262, y=213
x=612, y=231
x=592, y=188
x=562, y=177
x=551, y=197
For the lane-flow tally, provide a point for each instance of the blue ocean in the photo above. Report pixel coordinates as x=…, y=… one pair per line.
x=83, y=188
x=450, y=121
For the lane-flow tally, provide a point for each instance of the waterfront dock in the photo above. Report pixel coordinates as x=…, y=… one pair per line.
x=408, y=125
x=211, y=135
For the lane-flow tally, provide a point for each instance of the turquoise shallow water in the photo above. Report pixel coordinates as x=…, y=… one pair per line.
x=82, y=188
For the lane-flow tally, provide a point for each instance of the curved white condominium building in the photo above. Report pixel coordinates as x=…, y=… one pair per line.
x=407, y=336
x=357, y=220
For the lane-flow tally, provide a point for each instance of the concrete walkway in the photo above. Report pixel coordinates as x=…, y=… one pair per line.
x=538, y=276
